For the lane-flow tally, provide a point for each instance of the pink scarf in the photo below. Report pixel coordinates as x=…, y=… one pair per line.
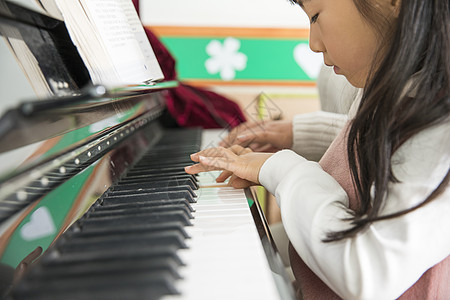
x=434, y=283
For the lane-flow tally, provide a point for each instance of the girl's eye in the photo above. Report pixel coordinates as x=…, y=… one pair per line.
x=314, y=18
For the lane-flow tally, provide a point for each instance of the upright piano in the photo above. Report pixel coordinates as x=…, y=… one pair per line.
x=97, y=183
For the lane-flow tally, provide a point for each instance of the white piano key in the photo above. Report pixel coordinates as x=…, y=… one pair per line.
x=225, y=258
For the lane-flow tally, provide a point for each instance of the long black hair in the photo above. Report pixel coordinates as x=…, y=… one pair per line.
x=392, y=110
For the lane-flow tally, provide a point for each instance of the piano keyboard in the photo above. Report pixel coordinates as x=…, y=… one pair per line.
x=228, y=261
x=158, y=233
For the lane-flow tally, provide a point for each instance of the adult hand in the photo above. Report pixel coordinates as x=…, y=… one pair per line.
x=264, y=136
x=238, y=163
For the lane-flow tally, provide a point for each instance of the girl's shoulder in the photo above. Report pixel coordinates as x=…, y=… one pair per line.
x=419, y=167
x=425, y=156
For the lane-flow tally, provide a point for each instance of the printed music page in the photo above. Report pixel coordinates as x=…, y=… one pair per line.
x=141, y=38
x=111, y=40
x=50, y=7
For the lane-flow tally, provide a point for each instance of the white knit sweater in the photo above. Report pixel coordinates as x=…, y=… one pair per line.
x=314, y=132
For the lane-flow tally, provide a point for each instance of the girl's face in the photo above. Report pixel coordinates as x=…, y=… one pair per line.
x=348, y=42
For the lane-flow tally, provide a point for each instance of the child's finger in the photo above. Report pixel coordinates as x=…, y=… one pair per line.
x=217, y=163
x=198, y=168
x=223, y=176
x=239, y=183
x=206, y=152
x=194, y=157
x=210, y=152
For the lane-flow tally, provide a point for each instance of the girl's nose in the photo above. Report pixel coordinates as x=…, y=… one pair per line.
x=315, y=40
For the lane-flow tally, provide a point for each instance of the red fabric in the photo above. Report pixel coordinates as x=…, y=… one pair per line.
x=193, y=106
x=136, y=5
x=165, y=59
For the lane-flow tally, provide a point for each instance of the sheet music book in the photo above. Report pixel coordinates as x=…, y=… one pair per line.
x=50, y=7
x=26, y=61
x=42, y=48
x=110, y=39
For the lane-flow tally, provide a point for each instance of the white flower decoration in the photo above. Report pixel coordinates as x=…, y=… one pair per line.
x=225, y=58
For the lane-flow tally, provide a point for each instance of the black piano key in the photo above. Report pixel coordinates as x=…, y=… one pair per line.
x=122, y=241
x=125, y=246
x=141, y=191
x=167, y=151
x=159, y=178
x=154, y=170
x=167, y=147
x=149, y=161
x=105, y=206
x=134, y=285
x=154, y=184
x=153, y=175
x=164, y=158
x=164, y=195
x=152, y=165
x=155, y=217
x=56, y=257
x=135, y=228
x=136, y=211
x=157, y=164
x=102, y=267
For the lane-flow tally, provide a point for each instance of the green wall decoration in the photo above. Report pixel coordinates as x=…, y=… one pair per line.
x=234, y=59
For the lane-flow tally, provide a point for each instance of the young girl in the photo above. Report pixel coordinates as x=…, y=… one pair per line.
x=371, y=219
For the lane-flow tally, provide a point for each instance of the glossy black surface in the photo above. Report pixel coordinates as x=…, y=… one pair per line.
x=125, y=244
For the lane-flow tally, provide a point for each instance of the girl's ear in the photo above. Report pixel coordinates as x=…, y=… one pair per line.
x=395, y=7
x=390, y=8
